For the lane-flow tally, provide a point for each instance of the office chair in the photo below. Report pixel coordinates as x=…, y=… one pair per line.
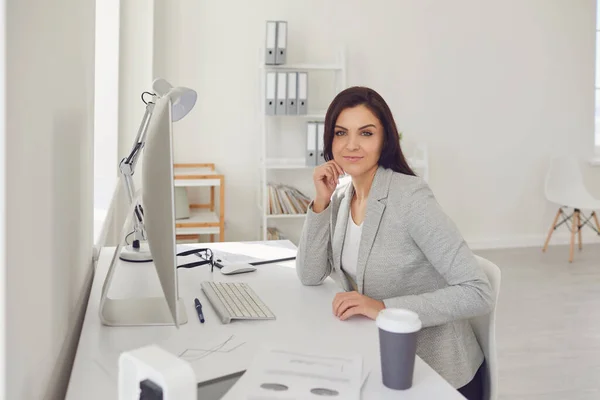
x=485, y=331
x=564, y=186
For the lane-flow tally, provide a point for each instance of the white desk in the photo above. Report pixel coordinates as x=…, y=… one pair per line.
x=304, y=319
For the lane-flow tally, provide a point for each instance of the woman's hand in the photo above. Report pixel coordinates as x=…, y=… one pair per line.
x=326, y=179
x=347, y=304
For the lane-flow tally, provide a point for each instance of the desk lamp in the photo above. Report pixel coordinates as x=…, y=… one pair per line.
x=183, y=100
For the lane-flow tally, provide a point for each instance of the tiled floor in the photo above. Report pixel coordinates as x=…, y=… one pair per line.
x=548, y=323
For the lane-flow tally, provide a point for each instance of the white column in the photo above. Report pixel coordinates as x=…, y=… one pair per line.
x=106, y=113
x=136, y=54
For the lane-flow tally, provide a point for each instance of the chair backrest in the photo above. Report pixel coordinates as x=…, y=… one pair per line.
x=485, y=330
x=562, y=179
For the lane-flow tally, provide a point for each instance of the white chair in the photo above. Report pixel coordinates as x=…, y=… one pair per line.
x=564, y=186
x=485, y=331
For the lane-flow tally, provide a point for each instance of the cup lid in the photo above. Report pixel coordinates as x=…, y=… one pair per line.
x=398, y=320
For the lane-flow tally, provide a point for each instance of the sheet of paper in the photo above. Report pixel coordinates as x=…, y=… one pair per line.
x=181, y=347
x=287, y=374
x=215, y=357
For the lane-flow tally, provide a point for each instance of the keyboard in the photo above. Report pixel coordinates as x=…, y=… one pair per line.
x=235, y=300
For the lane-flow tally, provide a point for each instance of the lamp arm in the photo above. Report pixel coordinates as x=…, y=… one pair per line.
x=127, y=169
x=138, y=222
x=140, y=138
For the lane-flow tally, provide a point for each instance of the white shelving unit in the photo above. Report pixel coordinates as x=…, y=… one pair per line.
x=286, y=163
x=283, y=166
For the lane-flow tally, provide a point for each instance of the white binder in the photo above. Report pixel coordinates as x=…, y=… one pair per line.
x=271, y=93
x=311, y=144
x=280, y=54
x=302, y=92
x=280, y=108
x=271, y=42
x=292, y=84
x=320, y=143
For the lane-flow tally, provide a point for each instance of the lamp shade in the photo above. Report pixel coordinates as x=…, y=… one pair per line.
x=182, y=99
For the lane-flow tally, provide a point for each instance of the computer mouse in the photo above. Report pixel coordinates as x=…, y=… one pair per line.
x=237, y=268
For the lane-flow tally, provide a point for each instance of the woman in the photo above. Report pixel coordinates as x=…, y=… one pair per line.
x=385, y=239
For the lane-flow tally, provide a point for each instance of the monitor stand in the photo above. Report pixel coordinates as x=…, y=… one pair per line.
x=138, y=311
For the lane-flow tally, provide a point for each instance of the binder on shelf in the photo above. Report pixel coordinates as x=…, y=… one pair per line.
x=302, y=93
x=271, y=93
x=280, y=54
x=287, y=200
x=281, y=93
x=271, y=42
x=292, y=85
x=311, y=144
x=320, y=142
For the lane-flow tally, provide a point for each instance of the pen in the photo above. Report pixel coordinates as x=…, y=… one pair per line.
x=199, y=310
x=272, y=261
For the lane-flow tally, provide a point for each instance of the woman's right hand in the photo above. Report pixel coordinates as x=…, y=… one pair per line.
x=326, y=179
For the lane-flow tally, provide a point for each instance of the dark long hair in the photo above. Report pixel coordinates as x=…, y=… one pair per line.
x=391, y=153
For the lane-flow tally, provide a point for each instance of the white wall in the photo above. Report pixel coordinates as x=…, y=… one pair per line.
x=135, y=69
x=494, y=88
x=50, y=85
x=2, y=198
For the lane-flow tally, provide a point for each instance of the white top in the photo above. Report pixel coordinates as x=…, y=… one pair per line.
x=350, y=249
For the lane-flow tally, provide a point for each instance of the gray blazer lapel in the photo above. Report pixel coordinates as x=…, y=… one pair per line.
x=339, y=233
x=375, y=208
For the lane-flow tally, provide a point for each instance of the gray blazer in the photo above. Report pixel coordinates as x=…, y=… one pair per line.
x=412, y=256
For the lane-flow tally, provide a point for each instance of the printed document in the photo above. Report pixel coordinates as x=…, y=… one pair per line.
x=287, y=374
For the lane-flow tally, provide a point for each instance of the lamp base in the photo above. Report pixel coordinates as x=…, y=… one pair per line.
x=132, y=254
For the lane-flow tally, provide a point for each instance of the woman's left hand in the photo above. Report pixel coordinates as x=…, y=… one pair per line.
x=347, y=304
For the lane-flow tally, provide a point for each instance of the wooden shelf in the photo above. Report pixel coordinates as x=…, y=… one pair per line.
x=203, y=218
x=201, y=221
x=283, y=216
x=196, y=175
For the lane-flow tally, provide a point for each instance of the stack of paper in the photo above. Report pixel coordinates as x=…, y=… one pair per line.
x=287, y=374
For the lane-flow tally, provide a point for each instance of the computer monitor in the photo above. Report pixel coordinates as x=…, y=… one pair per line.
x=159, y=223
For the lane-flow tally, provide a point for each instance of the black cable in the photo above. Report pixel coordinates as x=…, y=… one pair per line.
x=134, y=261
x=197, y=252
x=151, y=94
x=194, y=264
x=127, y=237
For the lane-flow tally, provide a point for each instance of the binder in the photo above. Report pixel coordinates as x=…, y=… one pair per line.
x=302, y=93
x=271, y=42
x=320, y=143
x=280, y=108
x=270, y=93
x=311, y=144
x=292, y=84
x=280, y=54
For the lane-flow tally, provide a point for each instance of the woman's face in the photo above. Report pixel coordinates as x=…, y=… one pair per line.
x=357, y=140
